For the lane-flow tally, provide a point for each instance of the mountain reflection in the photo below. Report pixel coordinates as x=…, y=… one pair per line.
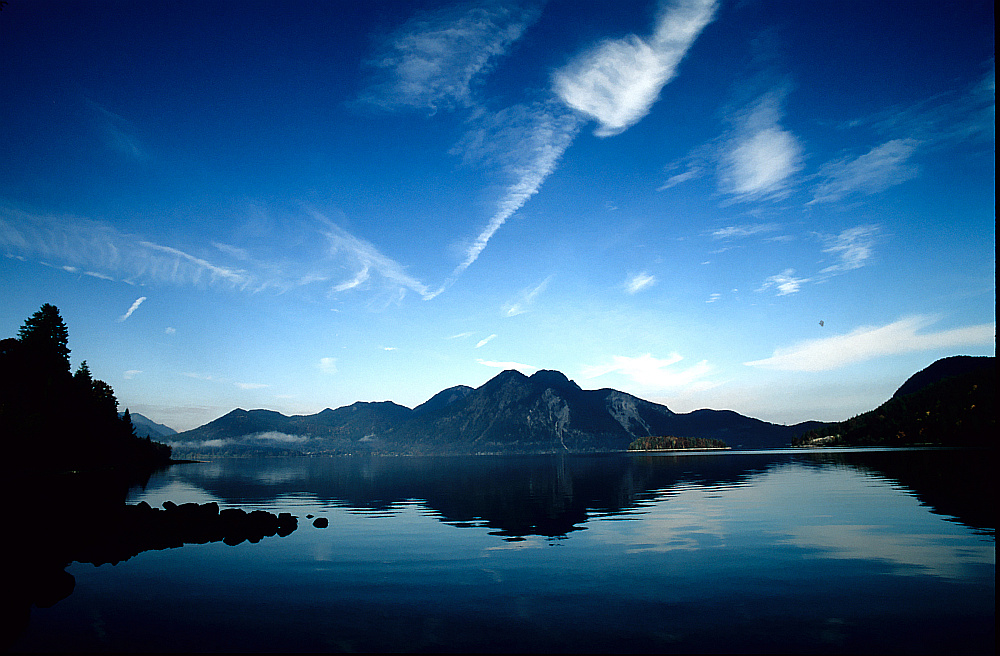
x=553, y=496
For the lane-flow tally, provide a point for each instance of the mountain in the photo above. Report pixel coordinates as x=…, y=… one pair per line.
x=950, y=403
x=511, y=413
x=146, y=427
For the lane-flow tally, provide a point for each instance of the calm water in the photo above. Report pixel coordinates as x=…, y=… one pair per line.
x=776, y=552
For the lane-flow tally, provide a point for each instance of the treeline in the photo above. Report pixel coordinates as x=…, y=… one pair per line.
x=955, y=411
x=652, y=443
x=51, y=419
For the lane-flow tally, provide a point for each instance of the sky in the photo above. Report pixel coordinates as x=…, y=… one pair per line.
x=780, y=208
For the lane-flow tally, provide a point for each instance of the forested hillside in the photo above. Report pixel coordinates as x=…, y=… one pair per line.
x=939, y=409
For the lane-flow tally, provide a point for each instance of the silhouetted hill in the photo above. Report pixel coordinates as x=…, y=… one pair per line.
x=943, y=368
x=510, y=413
x=941, y=408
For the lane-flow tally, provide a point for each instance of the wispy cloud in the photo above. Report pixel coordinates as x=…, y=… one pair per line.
x=617, y=81
x=880, y=168
x=102, y=250
x=234, y=251
x=132, y=309
x=118, y=133
x=852, y=247
x=327, y=365
x=870, y=342
x=78, y=242
x=524, y=300
x=785, y=283
x=523, y=368
x=191, y=268
x=367, y=259
x=131, y=373
x=967, y=114
x=251, y=386
x=650, y=372
x=740, y=231
x=693, y=171
x=169, y=330
x=526, y=143
x=760, y=156
x=639, y=282
x=434, y=60
x=486, y=340
x=199, y=376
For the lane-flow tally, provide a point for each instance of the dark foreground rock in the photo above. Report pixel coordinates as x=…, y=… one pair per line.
x=45, y=533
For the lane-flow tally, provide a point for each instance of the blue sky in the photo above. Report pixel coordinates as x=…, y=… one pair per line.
x=779, y=208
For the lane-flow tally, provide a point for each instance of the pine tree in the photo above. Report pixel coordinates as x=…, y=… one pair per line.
x=45, y=336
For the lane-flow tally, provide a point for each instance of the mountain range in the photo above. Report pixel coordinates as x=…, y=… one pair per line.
x=511, y=413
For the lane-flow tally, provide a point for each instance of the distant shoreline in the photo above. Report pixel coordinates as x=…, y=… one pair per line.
x=706, y=448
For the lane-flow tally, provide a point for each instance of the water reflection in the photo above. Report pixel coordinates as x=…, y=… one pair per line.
x=553, y=496
x=706, y=549
x=59, y=519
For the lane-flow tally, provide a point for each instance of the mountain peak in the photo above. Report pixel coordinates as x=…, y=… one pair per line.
x=552, y=378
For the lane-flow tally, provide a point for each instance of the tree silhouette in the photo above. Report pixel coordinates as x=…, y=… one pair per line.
x=45, y=336
x=51, y=420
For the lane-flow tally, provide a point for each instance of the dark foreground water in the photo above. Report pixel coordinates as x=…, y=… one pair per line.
x=764, y=552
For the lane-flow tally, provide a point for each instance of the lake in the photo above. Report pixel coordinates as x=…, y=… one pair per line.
x=764, y=552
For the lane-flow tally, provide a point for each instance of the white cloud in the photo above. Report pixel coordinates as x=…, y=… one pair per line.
x=523, y=368
x=525, y=299
x=131, y=373
x=853, y=247
x=880, y=168
x=132, y=309
x=785, y=282
x=486, y=340
x=760, y=156
x=639, y=282
x=169, y=330
x=650, y=372
x=327, y=365
x=870, y=342
x=617, y=81
x=434, y=59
